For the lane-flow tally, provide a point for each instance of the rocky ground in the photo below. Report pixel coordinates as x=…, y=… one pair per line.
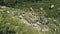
x=38, y=19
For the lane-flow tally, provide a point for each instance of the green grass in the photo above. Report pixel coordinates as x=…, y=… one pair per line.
x=8, y=20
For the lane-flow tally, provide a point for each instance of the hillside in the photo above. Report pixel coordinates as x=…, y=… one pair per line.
x=37, y=17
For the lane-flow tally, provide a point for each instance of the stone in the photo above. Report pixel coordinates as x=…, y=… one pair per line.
x=45, y=29
x=31, y=9
x=3, y=7
x=34, y=25
x=8, y=12
x=52, y=6
x=38, y=23
x=54, y=20
x=20, y=16
x=41, y=8
x=49, y=18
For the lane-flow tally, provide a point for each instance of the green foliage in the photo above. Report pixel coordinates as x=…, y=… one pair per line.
x=8, y=20
x=14, y=24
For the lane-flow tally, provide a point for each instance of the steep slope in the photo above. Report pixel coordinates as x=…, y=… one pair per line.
x=29, y=21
